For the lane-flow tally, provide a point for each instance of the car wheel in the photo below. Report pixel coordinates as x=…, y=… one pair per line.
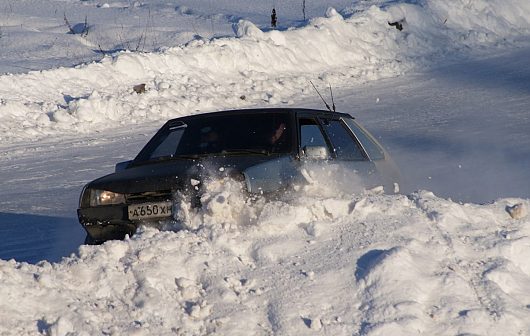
x=91, y=241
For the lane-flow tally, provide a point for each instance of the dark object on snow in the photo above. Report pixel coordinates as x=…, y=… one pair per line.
x=140, y=88
x=267, y=150
x=397, y=24
x=79, y=28
x=273, y=18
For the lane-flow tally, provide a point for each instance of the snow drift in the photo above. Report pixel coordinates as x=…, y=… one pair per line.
x=254, y=68
x=363, y=265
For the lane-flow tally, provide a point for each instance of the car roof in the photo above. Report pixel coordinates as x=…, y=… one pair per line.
x=289, y=110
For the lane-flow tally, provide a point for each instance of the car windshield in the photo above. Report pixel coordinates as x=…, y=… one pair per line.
x=234, y=134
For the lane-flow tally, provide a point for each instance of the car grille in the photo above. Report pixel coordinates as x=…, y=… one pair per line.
x=149, y=196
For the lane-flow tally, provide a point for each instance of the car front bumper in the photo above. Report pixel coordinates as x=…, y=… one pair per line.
x=107, y=222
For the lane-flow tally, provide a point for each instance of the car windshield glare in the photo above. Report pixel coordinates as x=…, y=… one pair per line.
x=233, y=134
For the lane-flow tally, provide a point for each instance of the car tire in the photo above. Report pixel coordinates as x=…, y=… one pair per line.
x=91, y=241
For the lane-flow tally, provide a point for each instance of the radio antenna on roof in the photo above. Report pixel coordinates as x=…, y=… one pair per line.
x=327, y=106
x=332, y=101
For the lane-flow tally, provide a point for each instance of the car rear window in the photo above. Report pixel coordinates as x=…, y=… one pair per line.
x=259, y=133
x=345, y=146
x=374, y=150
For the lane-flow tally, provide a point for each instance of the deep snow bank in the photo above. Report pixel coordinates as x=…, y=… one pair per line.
x=362, y=265
x=255, y=68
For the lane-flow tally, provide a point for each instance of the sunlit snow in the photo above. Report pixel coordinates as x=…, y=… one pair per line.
x=448, y=95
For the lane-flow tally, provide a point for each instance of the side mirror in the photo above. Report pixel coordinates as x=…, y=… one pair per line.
x=315, y=152
x=122, y=166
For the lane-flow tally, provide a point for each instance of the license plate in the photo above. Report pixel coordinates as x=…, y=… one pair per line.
x=150, y=210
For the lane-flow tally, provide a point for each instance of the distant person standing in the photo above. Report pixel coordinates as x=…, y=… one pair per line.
x=273, y=18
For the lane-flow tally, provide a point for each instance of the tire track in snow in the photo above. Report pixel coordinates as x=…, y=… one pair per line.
x=472, y=272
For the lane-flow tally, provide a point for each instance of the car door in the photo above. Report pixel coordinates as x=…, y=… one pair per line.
x=328, y=147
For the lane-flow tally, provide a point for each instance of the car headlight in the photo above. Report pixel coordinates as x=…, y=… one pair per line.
x=104, y=197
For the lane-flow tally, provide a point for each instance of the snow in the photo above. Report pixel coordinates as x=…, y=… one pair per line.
x=264, y=67
x=361, y=264
x=448, y=95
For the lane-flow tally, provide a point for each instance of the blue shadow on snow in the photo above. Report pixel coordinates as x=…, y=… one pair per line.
x=32, y=238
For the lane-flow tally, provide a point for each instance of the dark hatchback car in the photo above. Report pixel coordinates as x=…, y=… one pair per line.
x=265, y=149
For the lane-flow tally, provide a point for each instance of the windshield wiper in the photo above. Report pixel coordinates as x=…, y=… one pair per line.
x=166, y=158
x=186, y=156
x=246, y=151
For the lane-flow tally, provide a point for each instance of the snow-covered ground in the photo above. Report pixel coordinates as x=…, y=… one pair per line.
x=341, y=265
x=449, y=96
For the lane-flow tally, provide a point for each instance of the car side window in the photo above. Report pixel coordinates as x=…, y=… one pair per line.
x=345, y=146
x=310, y=134
x=313, y=144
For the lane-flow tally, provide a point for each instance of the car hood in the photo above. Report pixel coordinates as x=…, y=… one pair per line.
x=177, y=174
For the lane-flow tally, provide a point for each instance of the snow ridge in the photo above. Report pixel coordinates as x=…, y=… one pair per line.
x=367, y=264
x=254, y=68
